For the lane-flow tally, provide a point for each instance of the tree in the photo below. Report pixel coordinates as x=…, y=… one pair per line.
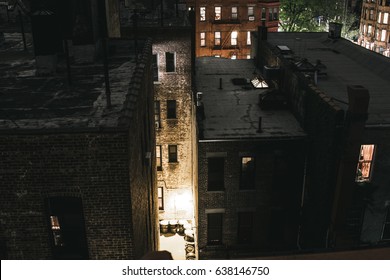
x=310, y=15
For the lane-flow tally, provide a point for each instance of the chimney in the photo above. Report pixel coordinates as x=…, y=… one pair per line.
x=335, y=30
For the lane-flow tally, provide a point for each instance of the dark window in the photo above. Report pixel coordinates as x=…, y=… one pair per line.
x=216, y=174
x=171, y=109
x=158, y=157
x=157, y=114
x=270, y=18
x=386, y=226
x=66, y=220
x=263, y=13
x=247, y=180
x=155, y=67
x=245, y=227
x=214, y=228
x=276, y=16
x=172, y=153
x=170, y=62
x=160, y=198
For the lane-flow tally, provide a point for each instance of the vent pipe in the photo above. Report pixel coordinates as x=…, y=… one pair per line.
x=220, y=83
x=259, y=129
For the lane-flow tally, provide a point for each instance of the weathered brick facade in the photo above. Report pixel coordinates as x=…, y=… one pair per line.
x=111, y=169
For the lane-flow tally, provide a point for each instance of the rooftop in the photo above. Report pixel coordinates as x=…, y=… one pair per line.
x=346, y=64
x=233, y=111
x=28, y=101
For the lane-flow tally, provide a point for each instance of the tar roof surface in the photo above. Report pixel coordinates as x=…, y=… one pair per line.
x=347, y=64
x=233, y=112
x=32, y=102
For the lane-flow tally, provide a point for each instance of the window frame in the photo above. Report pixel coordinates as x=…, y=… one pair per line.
x=234, y=14
x=217, y=39
x=170, y=62
x=172, y=155
x=202, y=13
x=215, y=171
x=202, y=38
x=248, y=38
x=214, y=229
x=245, y=183
x=155, y=67
x=234, y=40
x=217, y=13
x=171, y=109
x=159, y=157
x=157, y=113
x=160, y=198
x=359, y=177
x=251, y=13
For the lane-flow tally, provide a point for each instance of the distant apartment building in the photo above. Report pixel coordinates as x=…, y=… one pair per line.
x=375, y=26
x=223, y=28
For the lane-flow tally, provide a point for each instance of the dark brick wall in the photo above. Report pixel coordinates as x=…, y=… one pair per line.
x=267, y=197
x=323, y=121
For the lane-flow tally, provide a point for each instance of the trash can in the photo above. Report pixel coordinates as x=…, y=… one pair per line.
x=164, y=226
x=172, y=226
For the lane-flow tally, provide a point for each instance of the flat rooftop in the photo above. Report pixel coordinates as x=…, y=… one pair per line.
x=346, y=64
x=233, y=111
x=28, y=101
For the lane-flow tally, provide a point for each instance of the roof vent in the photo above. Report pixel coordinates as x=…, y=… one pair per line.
x=335, y=30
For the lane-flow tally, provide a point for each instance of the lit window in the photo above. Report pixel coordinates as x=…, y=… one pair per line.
x=371, y=14
x=245, y=227
x=251, y=13
x=171, y=109
x=157, y=116
x=202, y=39
x=234, y=12
x=214, y=228
x=215, y=174
x=56, y=230
x=383, y=35
x=365, y=165
x=160, y=197
x=217, y=38
x=385, y=18
x=202, y=13
x=170, y=62
x=234, y=38
x=248, y=38
x=234, y=56
x=172, y=153
x=248, y=56
x=379, y=17
x=217, y=13
x=158, y=158
x=369, y=29
x=247, y=178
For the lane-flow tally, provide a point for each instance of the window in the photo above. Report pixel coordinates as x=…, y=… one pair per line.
x=214, y=228
x=233, y=38
x=171, y=109
x=160, y=198
x=276, y=16
x=155, y=67
x=66, y=221
x=217, y=11
x=263, y=14
x=157, y=115
x=170, y=62
x=369, y=29
x=248, y=38
x=217, y=38
x=245, y=227
x=158, y=158
x=385, y=18
x=234, y=13
x=365, y=164
x=371, y=14
x=247, y=178
x=270, y=17
x=251, y=13
x=172, y=153
x=215, y=175
x=386, y=225
x=202, y=13
x=202, y=39
x=365, y=29
x=383, y=35
x=248, y=56
x=379, y=17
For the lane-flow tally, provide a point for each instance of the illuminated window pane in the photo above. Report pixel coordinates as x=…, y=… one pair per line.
x=234, y=13
x=234, y=36
x=202, y=13
x=251, y=11
x=217, y=13
x=160, y=196
x=365, y=164
x=386, y=18
x=217, y=38
x=158, y=158
x=248, y=38
x=202, y=39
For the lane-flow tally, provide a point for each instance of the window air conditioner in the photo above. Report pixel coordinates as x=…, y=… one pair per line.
x=251, y=18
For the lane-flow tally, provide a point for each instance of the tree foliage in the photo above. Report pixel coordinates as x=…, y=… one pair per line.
x=310, y=15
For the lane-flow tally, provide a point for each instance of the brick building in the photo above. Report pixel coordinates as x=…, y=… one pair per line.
x=338, y=92
x=251, y=165
x=77, y=171
x=223, y=27
x=375, y=26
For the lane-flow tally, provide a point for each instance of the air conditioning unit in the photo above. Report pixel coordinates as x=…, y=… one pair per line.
x=157, y=124
x=251, y=18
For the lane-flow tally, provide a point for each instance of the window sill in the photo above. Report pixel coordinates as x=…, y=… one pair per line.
x=220, y=191
x=173, y=162
x=157, y=82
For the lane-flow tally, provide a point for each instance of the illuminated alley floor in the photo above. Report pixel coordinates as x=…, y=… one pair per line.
x=175, y=244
